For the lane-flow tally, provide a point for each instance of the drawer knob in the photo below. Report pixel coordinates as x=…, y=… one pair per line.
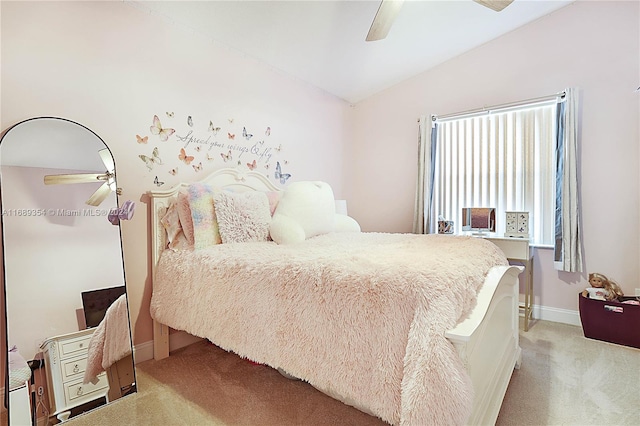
x=76, y=368
x=79, y=392
x=81, y=344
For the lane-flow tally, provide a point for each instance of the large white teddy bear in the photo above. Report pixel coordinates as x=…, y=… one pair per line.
x=307, y=209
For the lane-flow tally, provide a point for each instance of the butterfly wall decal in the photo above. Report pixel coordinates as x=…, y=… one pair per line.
x=252, y=166
x=268, y=131
x=231, y=135
x=226, y=157
x=282, y=177
x=152, y=160
x=140, y=139
x=213, y=128
x=157, y=182
x=173, y=172
x=170, y=114
x=246, y=135
x=157, y=129
x=210, y=157
x=186, y=159
x=190, y=121
x=198, y=167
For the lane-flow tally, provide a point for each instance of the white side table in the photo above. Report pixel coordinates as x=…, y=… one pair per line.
x=65, y=362
x=517, y=250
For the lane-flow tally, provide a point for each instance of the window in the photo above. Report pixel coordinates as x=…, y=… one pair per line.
x=505, y=160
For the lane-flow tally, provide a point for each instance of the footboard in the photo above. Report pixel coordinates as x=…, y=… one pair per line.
x=488, y=342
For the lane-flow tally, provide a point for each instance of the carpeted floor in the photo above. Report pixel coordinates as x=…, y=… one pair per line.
x=565, y=379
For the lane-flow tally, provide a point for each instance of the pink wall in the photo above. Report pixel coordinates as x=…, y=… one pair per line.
x=111, y=67
x=592, y=45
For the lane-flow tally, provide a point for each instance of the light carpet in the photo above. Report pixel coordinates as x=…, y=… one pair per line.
x=565, y=379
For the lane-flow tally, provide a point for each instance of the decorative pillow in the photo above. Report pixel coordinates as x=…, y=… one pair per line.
x=171, y=223
x=243, y=216
x=184, y=213
x=205, y=224
x=306, y=209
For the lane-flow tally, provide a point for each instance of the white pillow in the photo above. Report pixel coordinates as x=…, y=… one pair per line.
x=344, y=223
x=306, y=209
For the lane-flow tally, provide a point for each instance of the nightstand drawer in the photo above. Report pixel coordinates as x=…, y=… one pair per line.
x=513, y=248
x=75, y=392
x=73, y=347
x=73, y=367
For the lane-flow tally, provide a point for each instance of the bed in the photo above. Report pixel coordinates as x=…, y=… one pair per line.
x=110, y=341
x=110, y=351
x=414, y=329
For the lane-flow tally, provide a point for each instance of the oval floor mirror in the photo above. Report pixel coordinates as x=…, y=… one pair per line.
x=67, y=324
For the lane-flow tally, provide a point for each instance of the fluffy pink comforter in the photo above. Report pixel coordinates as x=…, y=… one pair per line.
x=111, y=340
x=358, y=315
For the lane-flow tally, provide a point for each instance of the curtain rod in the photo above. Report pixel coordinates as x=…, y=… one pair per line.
x=495, y=108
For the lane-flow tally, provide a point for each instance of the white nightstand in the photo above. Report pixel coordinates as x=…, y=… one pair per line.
x=65, y=363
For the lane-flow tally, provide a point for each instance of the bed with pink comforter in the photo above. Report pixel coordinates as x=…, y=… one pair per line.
x=360, y=316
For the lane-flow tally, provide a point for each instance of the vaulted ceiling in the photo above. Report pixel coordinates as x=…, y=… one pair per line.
x=323, y=42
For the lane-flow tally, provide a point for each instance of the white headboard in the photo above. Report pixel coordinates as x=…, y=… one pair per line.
x=235, y=179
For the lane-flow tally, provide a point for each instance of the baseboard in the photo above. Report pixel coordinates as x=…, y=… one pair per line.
x=564, y=316
x=179, y=339
x=143, y=352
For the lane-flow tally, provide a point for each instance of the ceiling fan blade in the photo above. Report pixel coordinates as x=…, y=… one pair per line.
x=73, y=178
x=107, y=159
x=383, y=20
x=100, y=194
x=496, y=5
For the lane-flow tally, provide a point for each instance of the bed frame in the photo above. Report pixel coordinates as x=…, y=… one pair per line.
x=487, y=341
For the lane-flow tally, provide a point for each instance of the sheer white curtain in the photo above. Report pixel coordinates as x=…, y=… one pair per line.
x=503, y=160
x=423, y=219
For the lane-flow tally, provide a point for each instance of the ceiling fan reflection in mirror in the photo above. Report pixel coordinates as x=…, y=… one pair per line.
x=388, y=10
x=108, y=177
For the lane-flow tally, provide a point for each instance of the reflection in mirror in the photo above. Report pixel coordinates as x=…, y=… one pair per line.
x=56, y=249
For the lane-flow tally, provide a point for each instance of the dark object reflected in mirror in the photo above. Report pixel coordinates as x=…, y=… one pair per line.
x=479, y=220
x=56, y=247
x=96, y=302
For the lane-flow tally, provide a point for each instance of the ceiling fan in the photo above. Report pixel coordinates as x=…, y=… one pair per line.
x=389, y=9
x=108, y=177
